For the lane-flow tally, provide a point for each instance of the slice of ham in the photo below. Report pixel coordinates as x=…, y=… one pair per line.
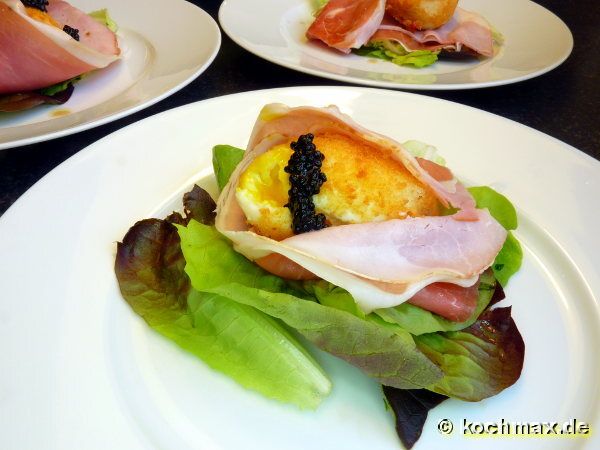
x=34, y=55
x=347, y=24
x=382, y=264
x=448, y=300
x=465, y=29
x=406, y=250
x=91, y=32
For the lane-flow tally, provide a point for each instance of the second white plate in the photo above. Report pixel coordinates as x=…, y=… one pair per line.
x=158, y=59
x=536, y=41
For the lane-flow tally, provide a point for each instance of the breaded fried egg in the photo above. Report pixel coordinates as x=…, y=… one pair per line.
x=421, y=14
x=364, y=184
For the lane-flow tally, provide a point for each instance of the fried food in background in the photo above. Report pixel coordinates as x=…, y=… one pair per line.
x=421, y=14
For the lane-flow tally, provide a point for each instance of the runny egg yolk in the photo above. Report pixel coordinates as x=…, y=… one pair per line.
x=262, y=193
x=42, y=16
x=364, y=184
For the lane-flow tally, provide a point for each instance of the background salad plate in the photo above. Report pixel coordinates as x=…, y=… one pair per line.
x=536, y=41
x=81, y=370
x=158, y=59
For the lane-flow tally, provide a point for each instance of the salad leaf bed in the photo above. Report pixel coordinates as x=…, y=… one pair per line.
x=188, y=283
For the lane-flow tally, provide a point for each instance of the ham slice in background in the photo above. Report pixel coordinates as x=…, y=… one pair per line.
x=347, y=24
x=35, y=55
x=465, y=29
x=382, y=264
x=92, y=33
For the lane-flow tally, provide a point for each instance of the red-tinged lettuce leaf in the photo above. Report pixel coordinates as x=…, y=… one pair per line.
x=240, y=341
x=28, y=100
x=498, y=295
x=479, y=361
x=410, y=408
x=199, y=205
x=485, y=357
x=150, y=265
x=150, y=270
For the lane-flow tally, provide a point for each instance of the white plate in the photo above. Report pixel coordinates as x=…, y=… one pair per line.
x=536, y=41
x=166, y=44
x=81, y=370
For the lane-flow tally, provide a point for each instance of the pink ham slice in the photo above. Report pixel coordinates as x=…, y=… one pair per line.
x=465, y=29
x=382, y=264
x=35, y=55
x=91, y=32
x=347, y=24
x=406, y=250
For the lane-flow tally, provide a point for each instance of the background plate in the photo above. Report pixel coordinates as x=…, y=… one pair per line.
x=83, y=371
x=158, y=60
x=536, y=41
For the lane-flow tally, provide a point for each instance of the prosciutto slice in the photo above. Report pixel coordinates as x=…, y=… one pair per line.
x=448, y=300
x=347, y=24
x=465, y=29
x=382, y=264
x=35, y=55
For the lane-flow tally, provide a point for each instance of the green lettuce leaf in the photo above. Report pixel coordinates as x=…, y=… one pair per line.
x=509, y=260
x=317, y=6
x=497, y=36
x=252, y=348
x=240, y=341
x=225, y=160
x=422, y=150
x=59, y=87
x=104, y=18
x=390, y=356
x=333, y=296
x=395, y=53
x=499, y=206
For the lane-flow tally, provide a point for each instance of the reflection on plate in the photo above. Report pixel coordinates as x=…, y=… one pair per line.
x=85, y=369
x=157, y=60
x=277, y=35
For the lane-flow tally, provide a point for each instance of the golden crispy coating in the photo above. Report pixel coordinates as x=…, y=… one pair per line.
x=363, y=185
x=421, y=14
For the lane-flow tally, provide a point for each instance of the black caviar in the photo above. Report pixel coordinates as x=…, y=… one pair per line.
x=73, y=32
x=37, y=4
x=306, y=180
